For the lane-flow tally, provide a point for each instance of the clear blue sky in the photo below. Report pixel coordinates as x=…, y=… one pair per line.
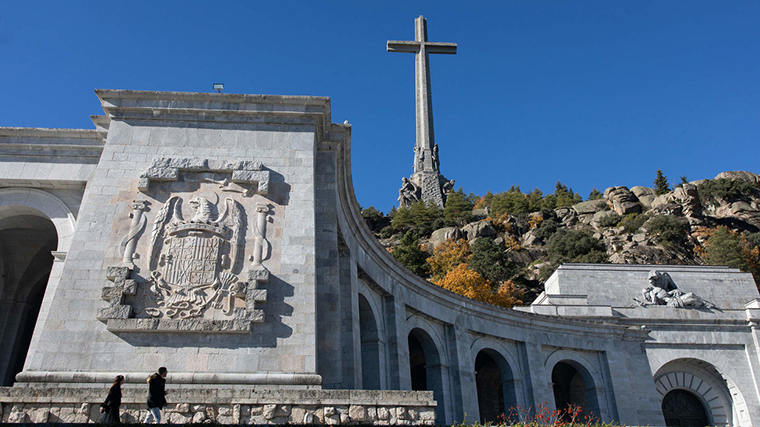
x=592, y=93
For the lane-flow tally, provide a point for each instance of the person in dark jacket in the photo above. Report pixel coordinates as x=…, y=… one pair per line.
x=156, y=395
x=109, y=409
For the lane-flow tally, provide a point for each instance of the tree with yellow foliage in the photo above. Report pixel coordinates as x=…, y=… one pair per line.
x=450, y=270
x=446, y=257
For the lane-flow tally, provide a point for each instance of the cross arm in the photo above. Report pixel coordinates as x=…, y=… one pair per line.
x=437, y=47
x=403, y=46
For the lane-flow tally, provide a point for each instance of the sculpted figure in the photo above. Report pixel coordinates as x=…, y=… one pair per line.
x=408, y=194
x=663, y=291
x=448, y=186
x=436, y=161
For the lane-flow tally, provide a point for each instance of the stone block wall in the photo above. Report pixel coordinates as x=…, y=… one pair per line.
x=223, y=406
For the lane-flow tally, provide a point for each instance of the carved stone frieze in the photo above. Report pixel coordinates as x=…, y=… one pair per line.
x=191, y=277
x=241, y=172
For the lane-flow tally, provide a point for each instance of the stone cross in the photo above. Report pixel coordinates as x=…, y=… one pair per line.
x=421, y=47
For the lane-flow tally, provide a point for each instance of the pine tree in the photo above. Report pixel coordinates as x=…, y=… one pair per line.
x=458, y=208
x=409, y=253
x=594, y=194
x=661, y=185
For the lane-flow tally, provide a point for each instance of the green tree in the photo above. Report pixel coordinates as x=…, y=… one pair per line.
x=423, y=216
x=594, y=194
x=565, y=195
x=724, y=247
x=535, y=200
x=512, y=202
x=661, y=185
x=490, y=261
x=409, y=253
x=402, y=220
x=458, y=209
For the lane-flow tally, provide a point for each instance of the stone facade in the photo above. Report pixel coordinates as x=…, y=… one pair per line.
x=218, y=235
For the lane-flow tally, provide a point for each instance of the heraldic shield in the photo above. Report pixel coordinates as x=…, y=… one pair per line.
x=192, y=260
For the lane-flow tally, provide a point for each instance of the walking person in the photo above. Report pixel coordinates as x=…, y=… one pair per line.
x=109, y=409
x=156, y=395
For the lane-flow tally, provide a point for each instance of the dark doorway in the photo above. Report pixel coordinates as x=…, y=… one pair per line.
x=426, y=370
x=370, y=346
x=571, y=393
x=683, y=409
x=417, y=364
x=489, y=381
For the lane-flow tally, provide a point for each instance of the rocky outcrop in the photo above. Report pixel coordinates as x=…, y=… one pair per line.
x=645, y=195
x=474, y=230
x=443, y=234
x=623, y=201
x=749, y=177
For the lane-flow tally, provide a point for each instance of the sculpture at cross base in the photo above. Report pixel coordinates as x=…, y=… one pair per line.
x=427, y=180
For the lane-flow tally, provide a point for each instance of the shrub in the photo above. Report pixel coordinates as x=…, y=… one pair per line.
x=727, y=190
x=373, y=217
x=386, y=232
x=546, y=229
x=669, y=231
x=575, y=246
x=611, y=220
x=632, y=222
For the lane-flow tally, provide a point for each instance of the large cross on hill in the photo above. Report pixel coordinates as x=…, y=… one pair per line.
x=426, y=183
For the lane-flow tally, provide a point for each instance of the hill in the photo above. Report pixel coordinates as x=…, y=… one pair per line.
x=500, y=248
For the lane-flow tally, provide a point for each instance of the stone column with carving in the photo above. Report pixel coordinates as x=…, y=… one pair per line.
x=261, y=245
x=135, y=228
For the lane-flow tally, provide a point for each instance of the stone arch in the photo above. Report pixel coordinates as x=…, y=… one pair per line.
x=512, y=384
x=15, y=201
x=577, y=373
x=28, y=237
x=426, y=368
x=369, y=334
x=721, y=399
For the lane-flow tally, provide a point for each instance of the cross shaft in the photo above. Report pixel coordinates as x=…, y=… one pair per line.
x=421, y=47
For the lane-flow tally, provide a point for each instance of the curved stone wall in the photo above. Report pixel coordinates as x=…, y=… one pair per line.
x=459, y=328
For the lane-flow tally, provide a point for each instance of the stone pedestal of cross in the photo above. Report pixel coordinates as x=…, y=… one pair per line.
x=426, y=183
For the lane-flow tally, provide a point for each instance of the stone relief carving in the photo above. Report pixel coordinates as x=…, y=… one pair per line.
x=191, y=278
x=186, y=256
x=662, y=290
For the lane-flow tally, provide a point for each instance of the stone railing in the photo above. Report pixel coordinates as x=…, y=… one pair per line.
x=227, y=405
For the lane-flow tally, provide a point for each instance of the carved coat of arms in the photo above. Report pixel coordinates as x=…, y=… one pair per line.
x=192, y=261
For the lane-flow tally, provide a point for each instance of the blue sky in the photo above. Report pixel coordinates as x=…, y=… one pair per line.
x=593, y=93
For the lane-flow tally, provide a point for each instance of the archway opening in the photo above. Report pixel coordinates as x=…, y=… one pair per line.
x=27, y=238
x=489, y=380
x=425, y=368
x=683, y=409
x=574, y=392
x=370, y=346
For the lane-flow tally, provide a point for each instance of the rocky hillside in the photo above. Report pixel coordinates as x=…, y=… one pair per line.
x=714, y=221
